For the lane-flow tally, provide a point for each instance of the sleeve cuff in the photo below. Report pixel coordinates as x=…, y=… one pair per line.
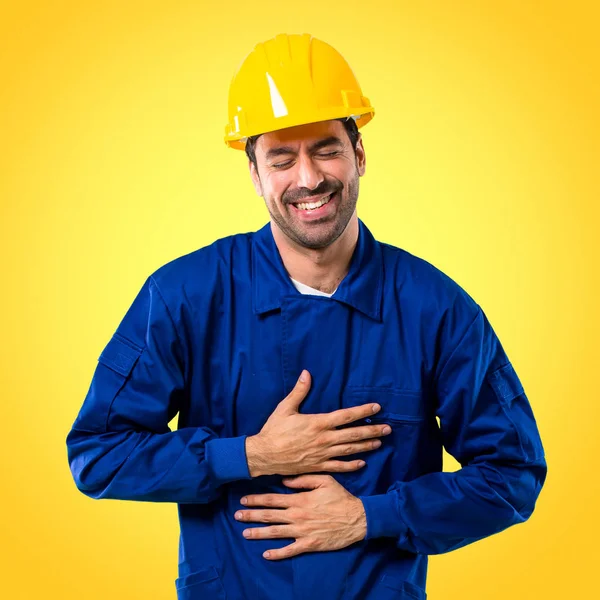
x=382, y=517
x=226, y=458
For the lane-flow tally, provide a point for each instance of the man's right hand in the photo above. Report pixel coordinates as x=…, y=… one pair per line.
x=291, y=443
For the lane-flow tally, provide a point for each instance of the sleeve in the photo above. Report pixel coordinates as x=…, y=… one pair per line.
x=487, y=424
x=120, y=445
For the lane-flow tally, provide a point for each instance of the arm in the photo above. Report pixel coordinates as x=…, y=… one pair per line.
x=120, y=445
x=487, y=424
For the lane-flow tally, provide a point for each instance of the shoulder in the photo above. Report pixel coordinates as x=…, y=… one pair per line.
x=422, y=281
x=202, y=269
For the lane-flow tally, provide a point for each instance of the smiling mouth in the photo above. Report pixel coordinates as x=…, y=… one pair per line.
x=308, y=206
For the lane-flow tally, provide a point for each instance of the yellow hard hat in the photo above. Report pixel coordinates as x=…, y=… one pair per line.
x=292, y=80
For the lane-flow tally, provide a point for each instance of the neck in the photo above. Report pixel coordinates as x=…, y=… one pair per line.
x=321, y=268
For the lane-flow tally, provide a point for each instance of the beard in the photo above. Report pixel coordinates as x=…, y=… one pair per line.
x=319, y=234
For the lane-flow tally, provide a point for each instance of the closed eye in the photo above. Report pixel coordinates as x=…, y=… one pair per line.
x=322, y=155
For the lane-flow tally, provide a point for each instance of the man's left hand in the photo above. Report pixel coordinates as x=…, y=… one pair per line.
x=326, y=518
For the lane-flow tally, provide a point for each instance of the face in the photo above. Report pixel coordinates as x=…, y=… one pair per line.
x=309, y=164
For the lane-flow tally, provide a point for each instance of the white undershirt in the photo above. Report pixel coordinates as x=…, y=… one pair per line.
x=306, y=289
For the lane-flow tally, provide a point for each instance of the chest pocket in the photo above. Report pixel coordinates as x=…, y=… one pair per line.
x=397, y=457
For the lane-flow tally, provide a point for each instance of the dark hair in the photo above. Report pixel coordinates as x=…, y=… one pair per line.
x=349, y=125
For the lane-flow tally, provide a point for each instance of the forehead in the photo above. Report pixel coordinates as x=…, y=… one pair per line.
x=301, y=135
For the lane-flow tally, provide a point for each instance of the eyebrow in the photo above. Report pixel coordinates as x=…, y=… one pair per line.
x=328, y=141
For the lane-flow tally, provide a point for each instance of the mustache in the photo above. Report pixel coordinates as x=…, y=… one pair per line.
x=322, y=190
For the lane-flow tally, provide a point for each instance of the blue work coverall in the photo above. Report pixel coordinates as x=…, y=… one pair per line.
x=220, y=336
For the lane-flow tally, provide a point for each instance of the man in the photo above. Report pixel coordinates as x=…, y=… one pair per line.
x=329, y=484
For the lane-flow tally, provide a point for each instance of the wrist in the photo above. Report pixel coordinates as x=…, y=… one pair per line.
x=360, y=525
x=255, y=455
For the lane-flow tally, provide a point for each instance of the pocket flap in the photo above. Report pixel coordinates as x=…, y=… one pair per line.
x=506, y=383
x=398, y=404
x=120, y=354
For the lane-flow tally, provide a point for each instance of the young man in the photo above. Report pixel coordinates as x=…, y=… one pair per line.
x=274, y=501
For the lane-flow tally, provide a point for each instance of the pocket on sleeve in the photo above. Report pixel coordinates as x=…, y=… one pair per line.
x=115, y=364
x=506, y=384
x=120, y=354
x=509, y=391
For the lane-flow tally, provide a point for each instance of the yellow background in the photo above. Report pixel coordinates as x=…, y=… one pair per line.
x=482, y=158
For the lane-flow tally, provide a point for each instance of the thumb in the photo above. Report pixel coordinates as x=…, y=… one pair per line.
x=291, y=403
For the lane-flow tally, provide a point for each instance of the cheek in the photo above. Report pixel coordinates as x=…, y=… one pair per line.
x=340, y=173
x=275, y=203
x=274, y=188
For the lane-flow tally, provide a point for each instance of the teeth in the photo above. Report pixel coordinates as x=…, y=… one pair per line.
x=313, y=205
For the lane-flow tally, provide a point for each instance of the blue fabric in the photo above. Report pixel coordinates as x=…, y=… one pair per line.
x=221, y=335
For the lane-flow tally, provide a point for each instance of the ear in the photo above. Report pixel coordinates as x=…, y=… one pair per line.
x=361, y=159
x=255, y=178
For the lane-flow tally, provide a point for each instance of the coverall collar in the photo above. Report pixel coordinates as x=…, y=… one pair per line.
x=361, y=288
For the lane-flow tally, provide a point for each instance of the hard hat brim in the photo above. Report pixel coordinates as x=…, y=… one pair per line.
x=238, y=142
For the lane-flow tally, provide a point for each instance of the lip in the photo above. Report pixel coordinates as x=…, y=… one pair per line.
x=318, y=213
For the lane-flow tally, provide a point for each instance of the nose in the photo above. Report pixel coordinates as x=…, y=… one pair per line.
x=308, y=175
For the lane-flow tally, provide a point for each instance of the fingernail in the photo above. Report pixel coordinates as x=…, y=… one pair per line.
x=387, y=430
x=245, y=533
x=361, y=463
x=376, y=407
x=303, y=376
x=244, y=500
x=266, y=554
x=238, y=515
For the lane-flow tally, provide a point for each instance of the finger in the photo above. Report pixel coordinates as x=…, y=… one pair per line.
x=308, y=481
x=298, y=547
x=291, y=403
x=343, y=416
x=341, y=466
x=263, y=516
x=264, y=533
x=357, y=434
x=346, y=449
x=272, y=500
